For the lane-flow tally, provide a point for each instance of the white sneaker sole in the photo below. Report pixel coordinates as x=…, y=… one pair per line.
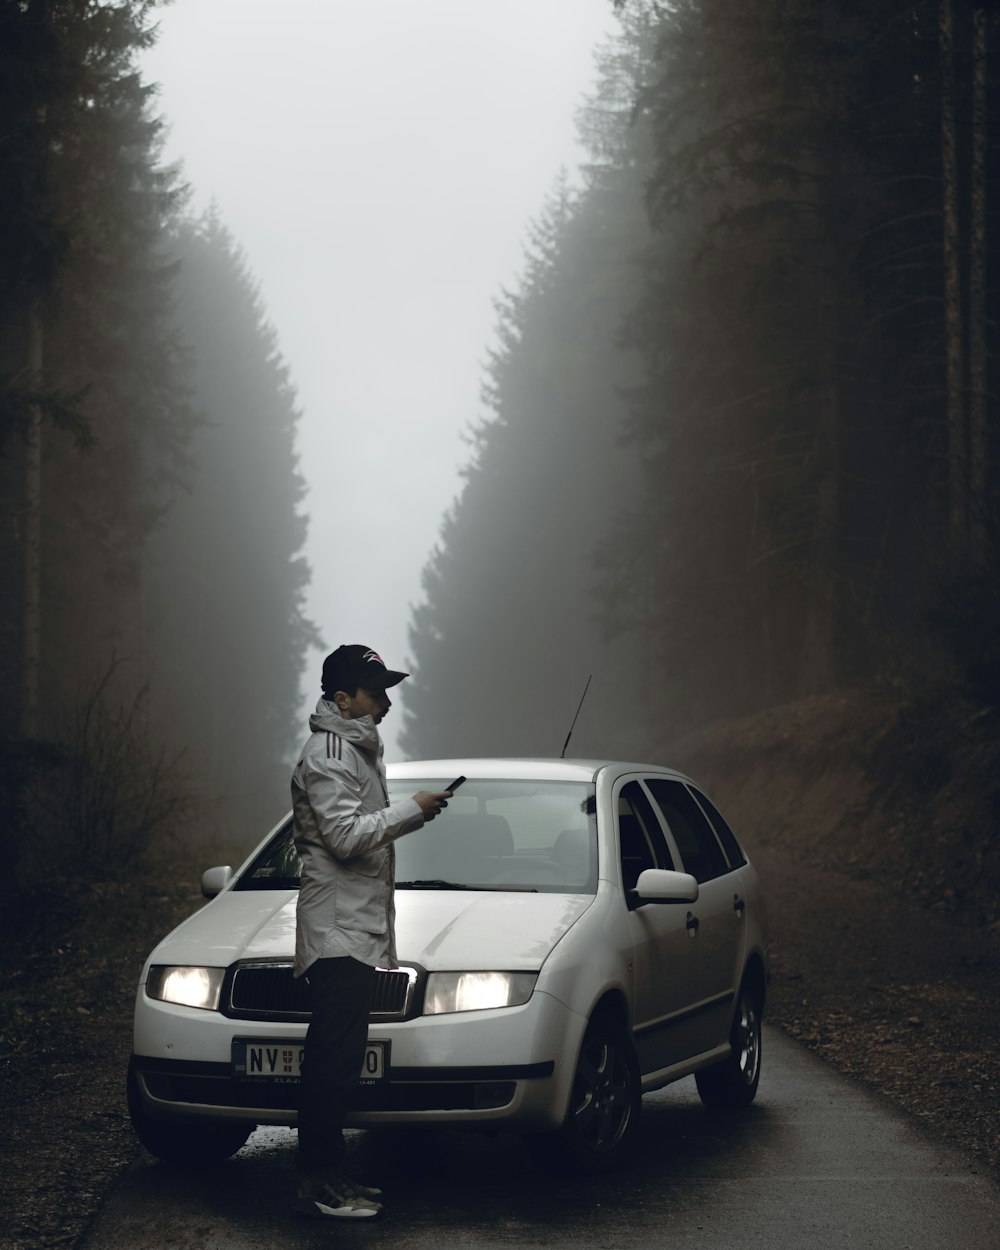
x=313, y=1207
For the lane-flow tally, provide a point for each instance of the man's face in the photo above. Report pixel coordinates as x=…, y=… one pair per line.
x=373, y=703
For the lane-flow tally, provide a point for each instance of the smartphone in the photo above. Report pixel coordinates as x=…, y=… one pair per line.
x=455, y=784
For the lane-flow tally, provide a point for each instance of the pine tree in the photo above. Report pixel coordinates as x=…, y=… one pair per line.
x=224, y=579
x=89, y=383
x=792, y=411
x=87, y=359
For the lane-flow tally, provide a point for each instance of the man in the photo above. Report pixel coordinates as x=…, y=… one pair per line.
x=345, y=828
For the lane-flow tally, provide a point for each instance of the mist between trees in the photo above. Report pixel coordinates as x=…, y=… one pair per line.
x=739, y=440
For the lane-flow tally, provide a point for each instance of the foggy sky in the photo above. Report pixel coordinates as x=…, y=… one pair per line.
x=380, y=165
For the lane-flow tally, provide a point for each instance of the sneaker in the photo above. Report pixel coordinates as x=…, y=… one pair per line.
x=371, y=1192
x=341, y=1198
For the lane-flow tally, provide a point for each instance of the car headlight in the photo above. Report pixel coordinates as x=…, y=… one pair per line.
x=476, y=991
x=189, y=987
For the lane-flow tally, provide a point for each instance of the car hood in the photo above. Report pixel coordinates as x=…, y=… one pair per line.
x=508, y=932
x=439, y=929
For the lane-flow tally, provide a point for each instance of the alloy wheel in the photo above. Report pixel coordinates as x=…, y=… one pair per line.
x=602, y=1094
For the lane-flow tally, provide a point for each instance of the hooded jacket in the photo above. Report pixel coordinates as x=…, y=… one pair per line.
x=345, y=827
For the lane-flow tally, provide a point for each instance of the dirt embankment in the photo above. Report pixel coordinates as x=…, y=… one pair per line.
x=871, y=824
x=67, y=985
x=904, y=794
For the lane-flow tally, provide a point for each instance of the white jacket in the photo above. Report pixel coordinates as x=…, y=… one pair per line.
x=344, y=831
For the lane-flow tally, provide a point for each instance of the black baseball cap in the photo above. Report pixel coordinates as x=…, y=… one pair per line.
x=354, y=665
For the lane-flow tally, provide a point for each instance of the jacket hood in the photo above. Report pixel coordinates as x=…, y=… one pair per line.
x=360, y=733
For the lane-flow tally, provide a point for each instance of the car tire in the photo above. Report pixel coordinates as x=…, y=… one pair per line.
x=734, y=1081
x=603, y=1115
x=189, y=1143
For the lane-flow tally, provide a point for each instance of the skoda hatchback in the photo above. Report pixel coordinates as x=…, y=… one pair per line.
x=571, y=934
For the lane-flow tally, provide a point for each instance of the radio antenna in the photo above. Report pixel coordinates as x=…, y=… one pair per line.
x=573, y=726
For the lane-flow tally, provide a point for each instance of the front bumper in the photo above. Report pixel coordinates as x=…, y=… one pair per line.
x=512, y=1066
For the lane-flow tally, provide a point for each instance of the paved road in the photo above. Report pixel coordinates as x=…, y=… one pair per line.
x=816, y=1164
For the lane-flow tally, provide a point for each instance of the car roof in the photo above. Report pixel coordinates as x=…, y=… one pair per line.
x=530, y=768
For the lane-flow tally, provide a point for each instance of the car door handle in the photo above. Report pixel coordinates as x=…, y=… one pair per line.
x=739, y=905
x=692, y=923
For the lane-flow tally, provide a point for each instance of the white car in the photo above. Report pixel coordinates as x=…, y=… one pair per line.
x=571, y=934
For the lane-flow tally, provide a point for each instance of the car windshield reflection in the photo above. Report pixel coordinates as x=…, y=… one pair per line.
x=518, y=835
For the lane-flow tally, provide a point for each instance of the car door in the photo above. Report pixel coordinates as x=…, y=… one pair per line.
x=717, y=918
x=662, y=946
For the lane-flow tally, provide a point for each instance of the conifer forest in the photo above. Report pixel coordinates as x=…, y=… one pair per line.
x=741, y=436
x=152, y=570
x=738, y=445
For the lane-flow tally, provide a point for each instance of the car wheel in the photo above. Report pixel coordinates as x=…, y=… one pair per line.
x=176, y=1142
x=733, y=1083
x=603, y=1113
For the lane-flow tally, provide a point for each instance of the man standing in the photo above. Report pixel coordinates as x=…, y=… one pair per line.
x=345, y=828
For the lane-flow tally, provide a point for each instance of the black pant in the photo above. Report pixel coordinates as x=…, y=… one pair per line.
x=340, y=994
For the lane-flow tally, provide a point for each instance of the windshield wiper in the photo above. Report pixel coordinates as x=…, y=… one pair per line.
x=435, y=883
x=438, y=883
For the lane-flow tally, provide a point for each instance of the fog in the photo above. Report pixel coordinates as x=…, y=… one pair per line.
x=380, y=166
x=711, y=418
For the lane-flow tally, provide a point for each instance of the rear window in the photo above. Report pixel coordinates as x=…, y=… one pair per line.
x=726, y=836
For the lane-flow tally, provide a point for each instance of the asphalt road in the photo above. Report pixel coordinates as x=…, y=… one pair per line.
x=816, y=1163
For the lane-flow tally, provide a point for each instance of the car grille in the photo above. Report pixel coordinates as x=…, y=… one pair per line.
x=268, y=991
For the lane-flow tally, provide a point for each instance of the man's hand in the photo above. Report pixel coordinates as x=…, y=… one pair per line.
x=432, y=803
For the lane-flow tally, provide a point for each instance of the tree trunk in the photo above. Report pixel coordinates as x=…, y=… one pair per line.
x=977, y=293
x=957, y=472
x=31, y=619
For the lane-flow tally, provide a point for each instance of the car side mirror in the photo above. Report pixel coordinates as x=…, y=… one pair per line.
x=215, y=880
x=662, y=885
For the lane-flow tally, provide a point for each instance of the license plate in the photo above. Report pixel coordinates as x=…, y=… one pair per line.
x=281, y=1062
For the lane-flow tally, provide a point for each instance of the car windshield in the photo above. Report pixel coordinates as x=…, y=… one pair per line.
x=508, y=835
x=494, y=835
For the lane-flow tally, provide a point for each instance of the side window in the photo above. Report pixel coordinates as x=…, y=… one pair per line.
x=726, y=836
x=698, y=845
x=640, y=838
